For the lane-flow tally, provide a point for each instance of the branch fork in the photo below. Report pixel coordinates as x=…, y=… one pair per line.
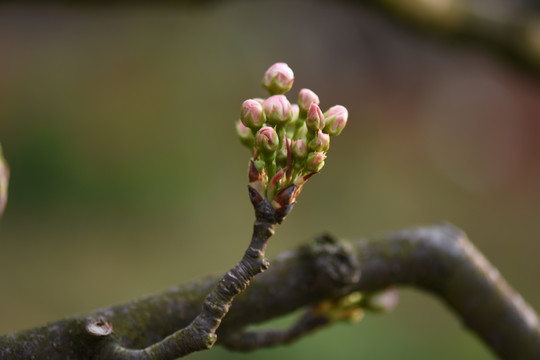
x=200, y=334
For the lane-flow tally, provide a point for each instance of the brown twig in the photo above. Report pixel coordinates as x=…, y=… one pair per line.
x=200, y=334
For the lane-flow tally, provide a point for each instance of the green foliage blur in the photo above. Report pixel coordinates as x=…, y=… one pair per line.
x=127, y=176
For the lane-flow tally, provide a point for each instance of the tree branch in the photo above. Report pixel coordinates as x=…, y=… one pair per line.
x=511, y=31
x=439, y=259
x=200, y=334
x=248, y=340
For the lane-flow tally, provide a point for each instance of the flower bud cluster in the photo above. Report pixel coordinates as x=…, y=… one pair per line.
x=288, y=141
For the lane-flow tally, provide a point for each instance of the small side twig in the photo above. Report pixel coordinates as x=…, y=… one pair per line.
x=249, y=340
x=200, y=334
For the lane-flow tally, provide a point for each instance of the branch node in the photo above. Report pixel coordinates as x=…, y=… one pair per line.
x=336, y=260
x=99, y=327
x=209, y=340
x=254, y=253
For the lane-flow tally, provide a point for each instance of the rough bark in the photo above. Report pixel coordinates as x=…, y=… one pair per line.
x=438, y=259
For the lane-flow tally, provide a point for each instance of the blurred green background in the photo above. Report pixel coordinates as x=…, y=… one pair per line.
x=127, y=176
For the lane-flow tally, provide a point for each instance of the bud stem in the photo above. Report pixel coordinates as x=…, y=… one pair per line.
x=271, y=169
x=311, y=135
x=298, y=125
x=280, y=130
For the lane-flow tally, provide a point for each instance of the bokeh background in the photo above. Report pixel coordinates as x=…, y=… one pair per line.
x=127, y=176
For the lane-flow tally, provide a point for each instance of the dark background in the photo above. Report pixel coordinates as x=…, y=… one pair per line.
x=127, y=176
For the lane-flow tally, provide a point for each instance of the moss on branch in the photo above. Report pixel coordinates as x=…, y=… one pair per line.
x=439, y=259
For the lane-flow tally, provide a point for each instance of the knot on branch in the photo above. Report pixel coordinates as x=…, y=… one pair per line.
x=99, y=327
x=203, y=340
x=335, y=261
x=254, y=253
x=256, y=258
x=194, y=339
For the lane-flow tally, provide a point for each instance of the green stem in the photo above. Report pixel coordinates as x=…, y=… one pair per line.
x=301, y=120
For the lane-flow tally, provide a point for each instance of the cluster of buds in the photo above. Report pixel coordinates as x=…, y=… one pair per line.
x=288, y=141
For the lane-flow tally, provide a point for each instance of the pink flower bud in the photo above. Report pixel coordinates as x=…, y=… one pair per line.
x=315, y=161
x=307, y=97
x=295, y=112
x=252, y=114
x=320, y=143
x=267, y=140
x=278, y=110
x=383, y=301
x=278, y=79
x=4, y=179
x=259, y=100
x=335, y=120
x=245, y=134
x=299, y=149
x=315, y=119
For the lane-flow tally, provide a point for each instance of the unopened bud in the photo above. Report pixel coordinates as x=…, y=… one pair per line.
x=278, y=79
x=252, y=114
x=315, y=119
x=335, y=120
x=245, y=134
x=383, y=301
x=278, y=110
x=267, y=140
x=299, y=149
x=4, y=179
x=320, y=143
x=295, y=112
x=307, y=97
x=259, y=100
x=346, y=308
x=315, y=161
x=301, y=133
